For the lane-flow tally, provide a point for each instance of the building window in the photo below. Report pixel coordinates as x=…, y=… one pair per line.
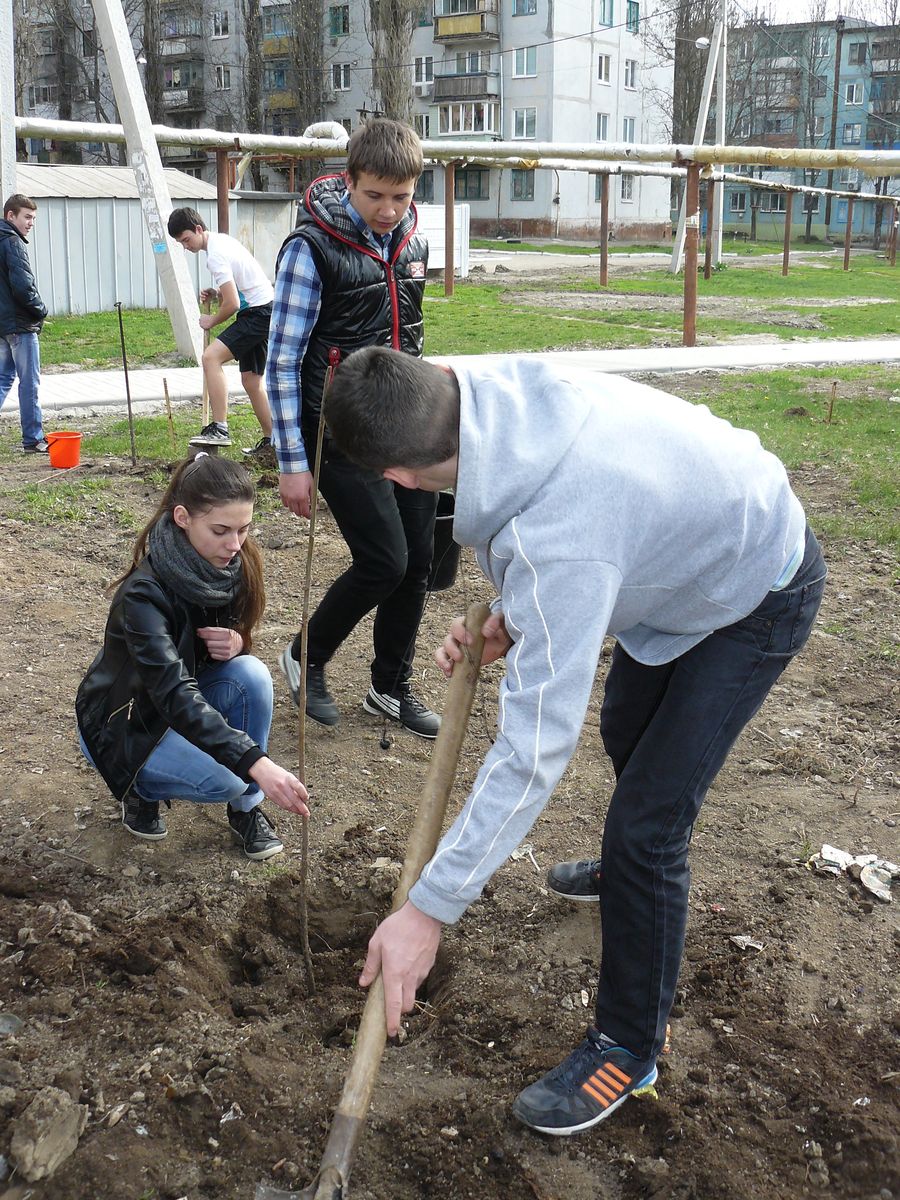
x=525, y=62
x=340, y=77
x=605, y=12
x=521, y=185
x=524, y=121
x=473, y=62
x=275, y=24
x=604, y=62
x=821, y=45
x=602, y=127
x=633, y=17
x=220, y=24
x=744, y=126
x=853, y=93
x=774, y=202
x=424, y=69
x=339, y=20
x=820, y=86
x=424, y=193
x=853, y=134
x=524, y=8
x=422, y=125
x=472, y=183
x=46, y=42
x=88, y=44
x=778, y=123
x=347, y=123
x=223, y=79
x=628, y=129
x=275, y=76
x=478, y=117
x=738, y=202
x=743, y=49
x=42, y=93
x=811, y=204
x=426, y=17
x=626, y=188
x=630, y=74
x=857, y=53
x=818, y=126
x=848, y=175
x=841, y=215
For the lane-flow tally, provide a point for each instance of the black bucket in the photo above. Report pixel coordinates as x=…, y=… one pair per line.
x=446, y=552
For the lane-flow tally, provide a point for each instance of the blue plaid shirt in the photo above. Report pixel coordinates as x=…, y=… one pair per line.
x=295, y=310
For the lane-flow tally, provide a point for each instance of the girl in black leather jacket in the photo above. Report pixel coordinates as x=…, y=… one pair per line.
x=174, y=706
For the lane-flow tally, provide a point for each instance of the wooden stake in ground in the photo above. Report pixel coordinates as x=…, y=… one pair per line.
x=127, y=384
x=169, y=415
x=831, y=402
x=206, y=306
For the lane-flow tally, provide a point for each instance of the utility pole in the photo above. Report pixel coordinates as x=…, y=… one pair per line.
x=145, y=161
x=832, y=141
x=718, y=211
x=7, y=101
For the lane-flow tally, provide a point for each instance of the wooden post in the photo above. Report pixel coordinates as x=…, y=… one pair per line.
x=449, y=197
x=222, y=190
x=788, y=220
x=895, y=221
x=691, y=248
x=604, y=229
x=710, y=209
x=848, y=234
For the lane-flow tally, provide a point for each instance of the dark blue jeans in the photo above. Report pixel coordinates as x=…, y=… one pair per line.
x=389, y=531
x=668, y=730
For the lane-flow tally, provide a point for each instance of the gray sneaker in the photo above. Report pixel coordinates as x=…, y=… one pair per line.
x=212, y=434
x=402, y=705
x=320, y=705
x=578, y=880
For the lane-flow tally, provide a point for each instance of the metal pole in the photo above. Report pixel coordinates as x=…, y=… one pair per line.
x=449, y=196
x=604, y=230
x=691, y=247
x=839, y=29
x=710, y=236
x=7, y=101
x=127, y=385
x=718, y=212
x=788, y=217
x=848, y=234
x=222, y=190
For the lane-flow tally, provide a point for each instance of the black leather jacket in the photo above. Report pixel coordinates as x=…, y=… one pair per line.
x=21, y=308
x=143, y=682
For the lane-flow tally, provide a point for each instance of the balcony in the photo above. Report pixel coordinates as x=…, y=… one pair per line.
x=179, y=47
x=466, y=20
x=183, y=99
x=485, y=85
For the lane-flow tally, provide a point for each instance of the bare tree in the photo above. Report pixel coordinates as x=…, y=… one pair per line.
x=390, y=27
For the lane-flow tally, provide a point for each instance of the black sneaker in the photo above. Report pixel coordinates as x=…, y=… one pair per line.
x=584, y=1089
x=39, y=447
x=401, y=705
x=213, y=434
x=263, y=452
x=320, y=705
x=256, y=831
x=576, y=880
x=141, y=817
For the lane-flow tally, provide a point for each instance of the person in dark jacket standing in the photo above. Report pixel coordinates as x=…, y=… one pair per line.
x=174, y=705
x=352, y=274
x=22, y=313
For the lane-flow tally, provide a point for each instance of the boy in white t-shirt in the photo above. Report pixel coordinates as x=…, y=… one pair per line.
x=243, y=289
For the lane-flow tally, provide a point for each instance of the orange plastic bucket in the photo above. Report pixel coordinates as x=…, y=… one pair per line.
x=65, y=448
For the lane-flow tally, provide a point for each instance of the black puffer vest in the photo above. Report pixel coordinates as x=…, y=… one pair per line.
x=365, y=300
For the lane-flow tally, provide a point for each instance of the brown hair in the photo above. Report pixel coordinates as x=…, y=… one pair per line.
x=200, y=484
x=184, y=220
x=387, y=149
x=17, y=202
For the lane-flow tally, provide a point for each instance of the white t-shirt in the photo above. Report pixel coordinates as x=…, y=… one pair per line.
x=230, y=262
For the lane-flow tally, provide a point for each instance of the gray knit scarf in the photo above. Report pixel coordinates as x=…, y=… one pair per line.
x=187, y=573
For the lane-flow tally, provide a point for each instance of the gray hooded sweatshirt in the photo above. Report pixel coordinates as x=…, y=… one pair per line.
x=596, y=506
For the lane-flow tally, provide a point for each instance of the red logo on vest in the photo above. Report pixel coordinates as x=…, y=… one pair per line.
x=417, y=270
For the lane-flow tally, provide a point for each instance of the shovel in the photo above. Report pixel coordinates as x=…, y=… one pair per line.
x=346, y=1128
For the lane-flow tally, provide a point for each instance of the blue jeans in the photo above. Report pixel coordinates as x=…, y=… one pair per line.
x=668, y=730
x=241, y=689
x=20, y=355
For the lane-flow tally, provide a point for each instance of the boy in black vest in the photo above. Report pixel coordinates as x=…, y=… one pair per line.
x=352, y=274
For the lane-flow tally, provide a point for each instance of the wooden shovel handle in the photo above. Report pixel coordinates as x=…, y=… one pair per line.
x=354, y=1104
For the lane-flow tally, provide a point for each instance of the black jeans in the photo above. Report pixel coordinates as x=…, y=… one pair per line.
x=389, y=531
x=668, y=730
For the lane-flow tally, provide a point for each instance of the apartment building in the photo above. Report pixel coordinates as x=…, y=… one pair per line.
x=484, y=70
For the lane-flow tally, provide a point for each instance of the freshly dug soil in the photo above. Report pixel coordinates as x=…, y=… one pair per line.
x=161, y=987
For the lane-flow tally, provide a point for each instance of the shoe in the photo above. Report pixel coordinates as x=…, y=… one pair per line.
x=141, y=817
x=41, y=447
x=256, y=831
x=576, y=880
x=320, y=705
x=263, y=452
x=584, y=1089
x=212, y=434
x=401, y=705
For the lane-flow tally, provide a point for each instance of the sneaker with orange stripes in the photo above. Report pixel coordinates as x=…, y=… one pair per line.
x=584, y=1089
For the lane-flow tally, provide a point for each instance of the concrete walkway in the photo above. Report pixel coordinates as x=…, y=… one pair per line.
x=98, y=391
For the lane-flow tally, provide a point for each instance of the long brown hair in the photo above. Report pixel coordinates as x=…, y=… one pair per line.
x=200, y=484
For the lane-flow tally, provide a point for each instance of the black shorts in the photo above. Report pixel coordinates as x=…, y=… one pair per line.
x=247, y=337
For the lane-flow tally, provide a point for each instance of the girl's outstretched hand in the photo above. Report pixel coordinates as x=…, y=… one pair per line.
x=280, y=786
x=452, y=649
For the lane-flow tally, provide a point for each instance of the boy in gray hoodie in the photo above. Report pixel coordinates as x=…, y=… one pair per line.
x=596, y=507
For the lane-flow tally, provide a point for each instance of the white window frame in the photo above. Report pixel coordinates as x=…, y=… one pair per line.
x=422, y=124
x=517, y=173
x=521, y=122
x=463, y=117
x=602, y=127
x=223, y=78
x=855, y=139
x=604, y=68
x=629, y=125
x=605, y=11
x=524, y=8
x=525, y=62
x=423, y=71
x=626, y=189
x=821, y=45
x=629, y=75
x=220, y=25
x=340, y=77
x=745, y=126
x=737, y=202
x=853, y=93
x=633, y=16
